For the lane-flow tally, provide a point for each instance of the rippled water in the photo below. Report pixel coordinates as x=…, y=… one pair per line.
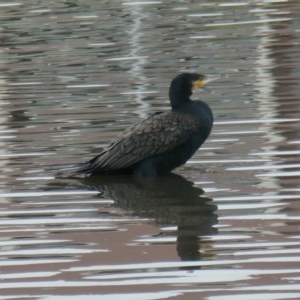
x=75, y=73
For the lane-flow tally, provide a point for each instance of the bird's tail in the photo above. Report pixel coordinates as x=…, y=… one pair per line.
x=77, y=170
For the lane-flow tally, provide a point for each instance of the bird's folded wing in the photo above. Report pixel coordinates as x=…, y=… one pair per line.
x=158, y=134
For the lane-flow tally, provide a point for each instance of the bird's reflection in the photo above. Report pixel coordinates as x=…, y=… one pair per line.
x=169, y=200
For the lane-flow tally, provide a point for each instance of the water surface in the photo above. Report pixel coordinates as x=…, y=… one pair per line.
x=224, y=226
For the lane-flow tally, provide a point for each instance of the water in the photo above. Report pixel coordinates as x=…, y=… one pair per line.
x=75, y=74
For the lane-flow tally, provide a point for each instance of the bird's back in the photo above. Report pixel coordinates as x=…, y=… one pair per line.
x=156, y=145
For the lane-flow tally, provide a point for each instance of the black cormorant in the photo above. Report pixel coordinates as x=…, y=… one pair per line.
x=162, y=142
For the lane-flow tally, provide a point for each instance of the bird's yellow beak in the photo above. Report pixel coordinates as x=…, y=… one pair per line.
x=198, y=84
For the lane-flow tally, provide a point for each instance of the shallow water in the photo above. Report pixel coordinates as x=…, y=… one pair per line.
x=73, y=75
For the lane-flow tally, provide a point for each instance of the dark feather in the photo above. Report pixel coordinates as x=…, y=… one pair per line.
x=155, y=135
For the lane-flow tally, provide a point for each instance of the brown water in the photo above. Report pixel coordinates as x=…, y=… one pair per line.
x=73, y=75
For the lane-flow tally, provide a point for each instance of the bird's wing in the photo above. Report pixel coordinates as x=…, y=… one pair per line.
x=159, y=133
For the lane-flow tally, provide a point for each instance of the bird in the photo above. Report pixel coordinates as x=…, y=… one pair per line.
x=162, y=142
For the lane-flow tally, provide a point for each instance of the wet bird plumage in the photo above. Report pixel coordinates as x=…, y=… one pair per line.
x=162, y=142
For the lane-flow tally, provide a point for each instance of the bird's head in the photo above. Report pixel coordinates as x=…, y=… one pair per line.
x=187, y=83
x=184, y=85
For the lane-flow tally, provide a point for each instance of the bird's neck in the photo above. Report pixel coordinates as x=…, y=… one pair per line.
x=178, y=98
